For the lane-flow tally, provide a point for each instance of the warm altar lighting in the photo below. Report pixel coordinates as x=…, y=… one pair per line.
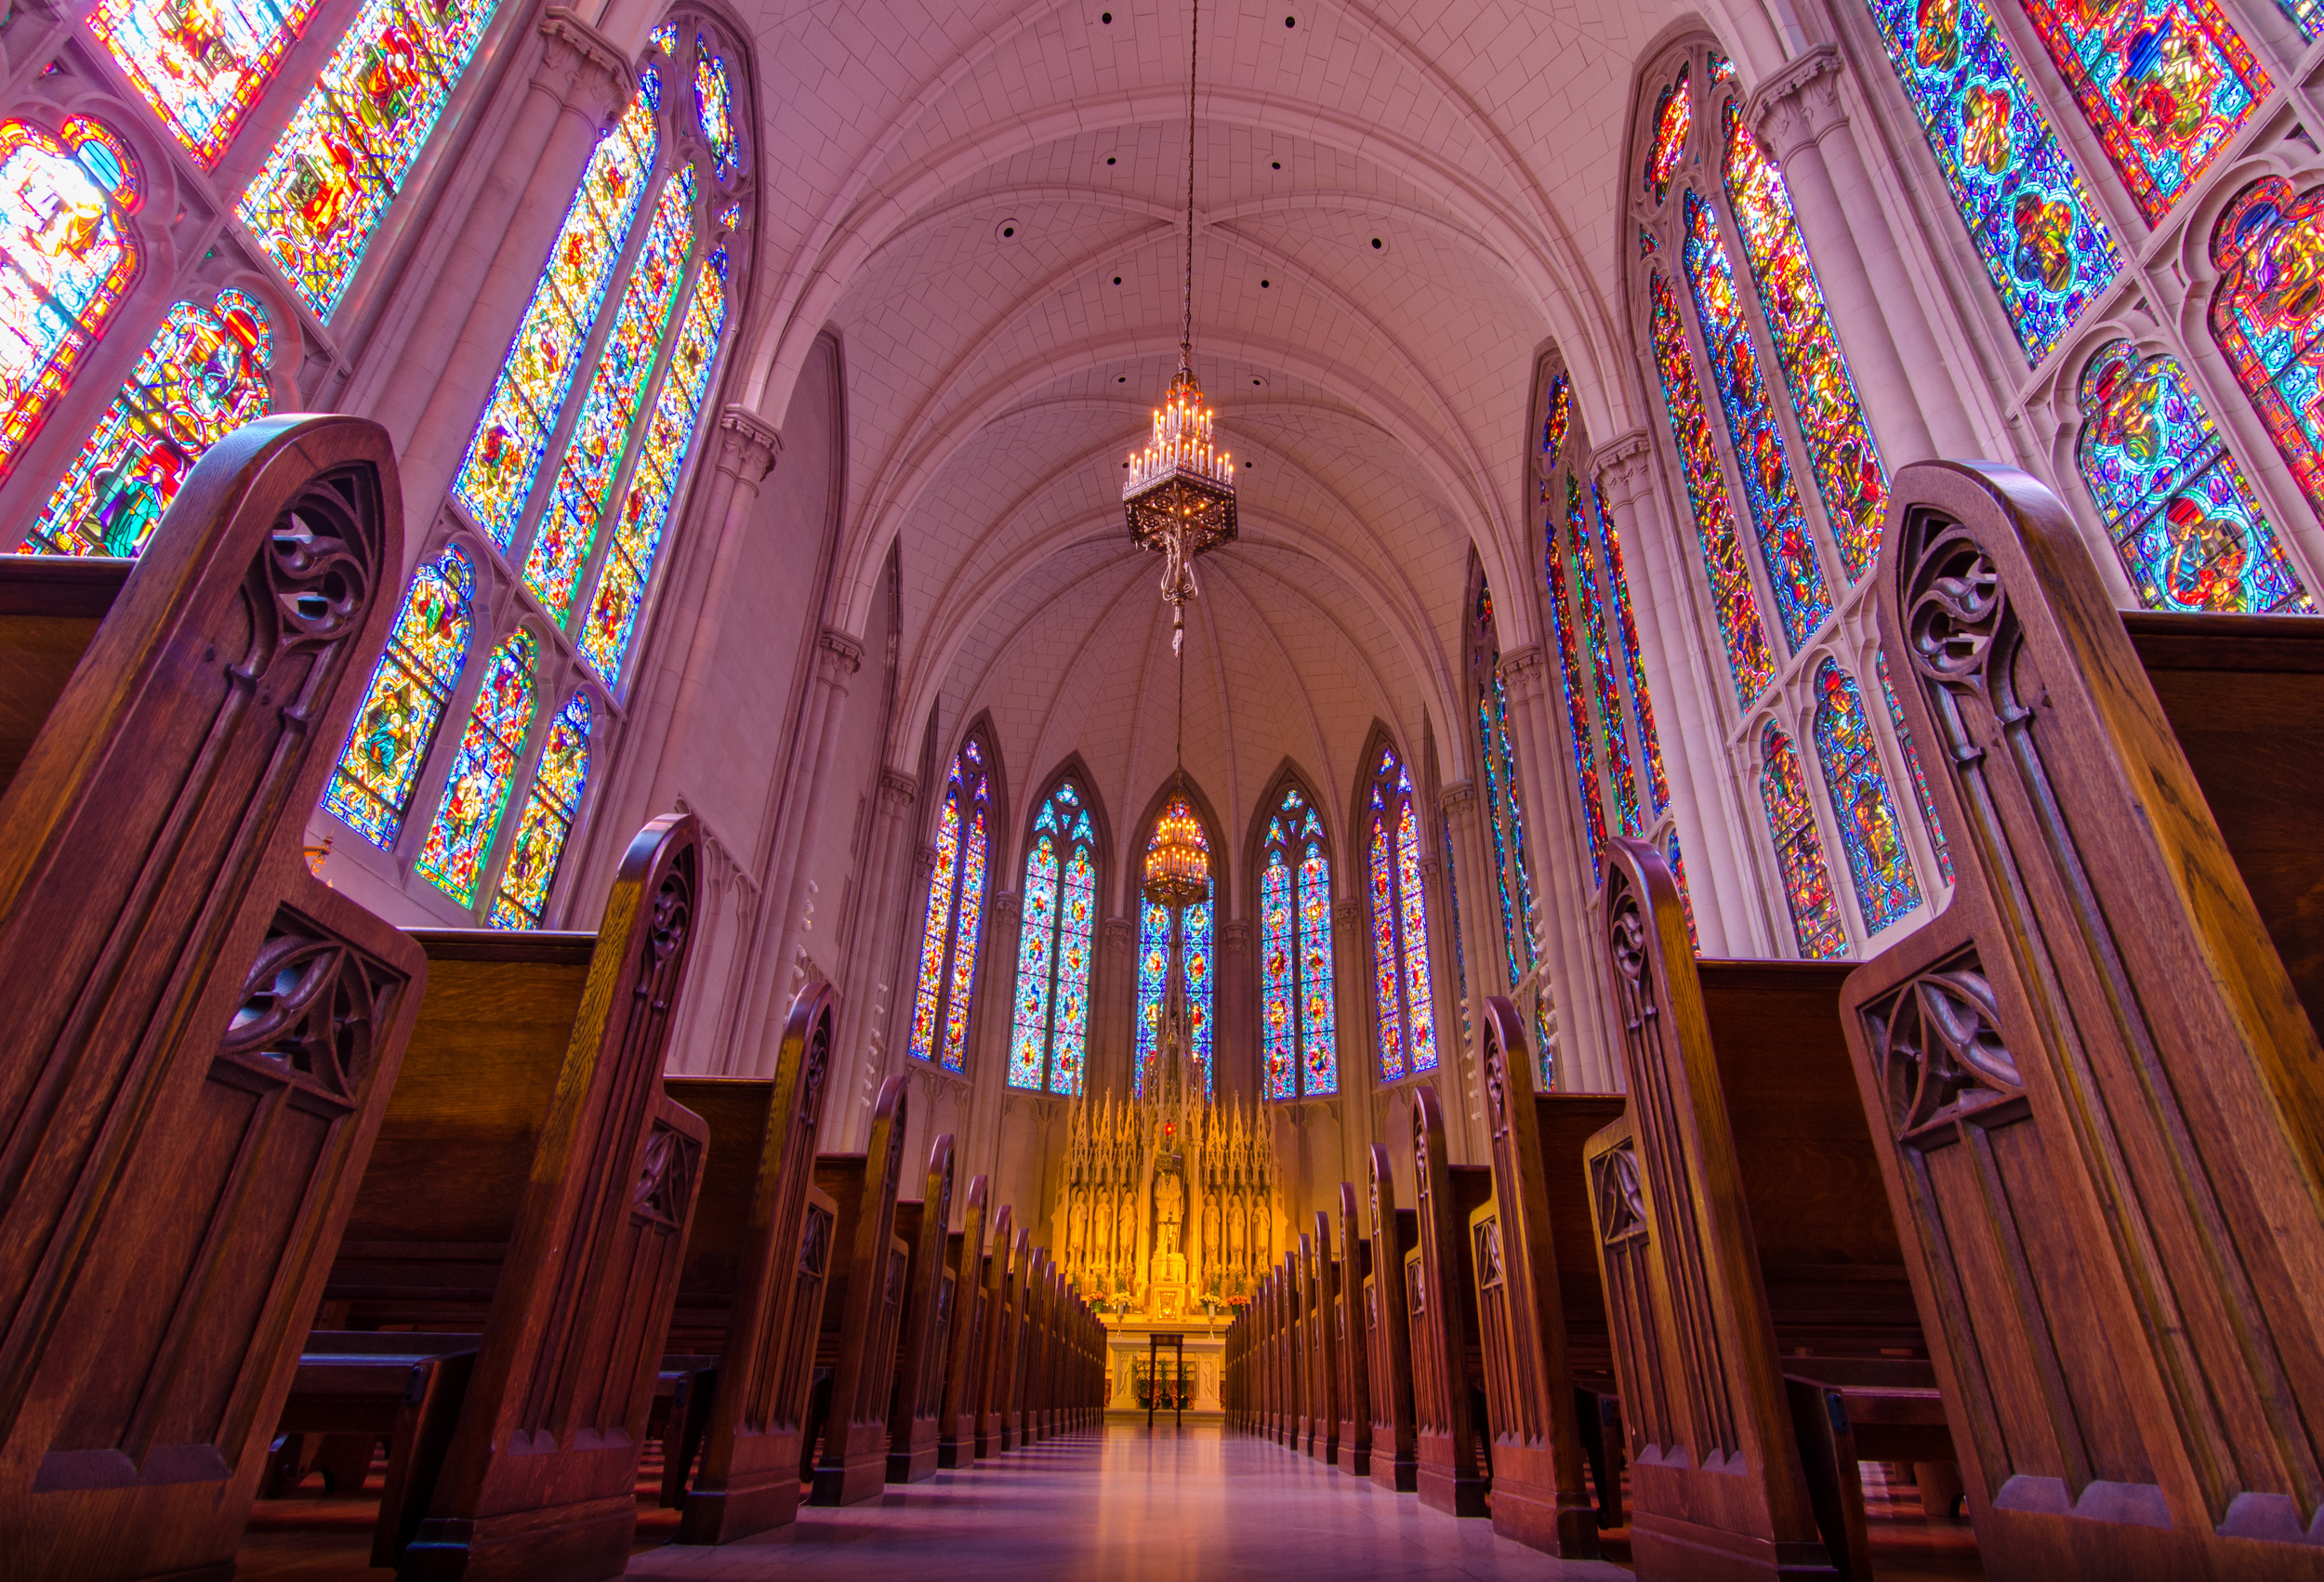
x=1178, y=867
x=1180, y=486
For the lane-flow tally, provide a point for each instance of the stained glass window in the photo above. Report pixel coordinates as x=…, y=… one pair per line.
x=505, y=455
x=2182, y=516
x=2308, y=14
x=1590, y=585
x=2267, y=312
x=67, y=255
x=1626, y=627
x=2165, y=84
x=1048, y=1034
x=1154, y=967
x=1870, y=835
x=200, y=64
x=1401, y=989
x=956, y=913
x=1748, y=659
x=645, y=505
x=352, y=141
x=546, y=820
x=476, y=791
x=202, y=376
x=1840, y=449
x=1576, y=705
x=1675, y=115
x=1919, y=778
x=427, y=647
x=1504, y=803
x=1802, y=601
x=1799, y=850
x=714, y=101
x=1560, y=419
x=1297, y=1036
x=2043, y=244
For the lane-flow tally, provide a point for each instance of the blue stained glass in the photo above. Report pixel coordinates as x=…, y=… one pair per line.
x=2308, y=14
x=1048, y=1031
x=1460, y=948
x=1800, y=851
x=1036, y=963
x=1153, y=974
x=1626, y=626
x=1154, y=982
x=1577, y=708
x=1870, y=833
x=1195, y=948
x=1298, y=1056
x=2018, y=191
x=1278, y=957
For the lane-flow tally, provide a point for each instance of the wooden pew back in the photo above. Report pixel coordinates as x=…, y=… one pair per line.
x=1388, y=1331
x=1348, y=1323
x=864, y=1310
x=928, y=1308
x=992, y=1376
x=1447, y=1370
x=1323, y=1273
x=956, y=1420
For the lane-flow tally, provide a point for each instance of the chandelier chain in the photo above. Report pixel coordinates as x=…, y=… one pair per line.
x=1187, y=330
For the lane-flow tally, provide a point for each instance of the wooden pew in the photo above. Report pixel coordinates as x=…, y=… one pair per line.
x=200, y=1037
x=1323, y=1281
x=925, y=1344
x=956, y=1420
x=2095, y=1079
x=992, y=1389
x=862, y=1307
x=1348, y=1326
x=1290, y=1352
x=752, y=1291
x=1742, y=1243
x=529, y=1199
x=1010, y=1377
x=1388, y=1332
x=1032, y=1385
x=1440, y=1286
x=1540, y=1306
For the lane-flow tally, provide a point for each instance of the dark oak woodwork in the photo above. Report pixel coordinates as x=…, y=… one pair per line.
x=1322, y=1319
x=200, y=1037
x=2095, y=1078
x=864, y=1306
x=956, y=1420
x=925, y=1344
x=1440, y=1292
x=992, y=1386
x=1008, y=1380
x=1355, y=1383
x=1388, y=1331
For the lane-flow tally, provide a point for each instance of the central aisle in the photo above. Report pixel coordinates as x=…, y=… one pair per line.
x=1181, y=1505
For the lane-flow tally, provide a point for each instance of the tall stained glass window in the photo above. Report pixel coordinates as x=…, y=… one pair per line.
x=1195, y=939
x=200, y=64
x=2178, y=509
x=2308, y=14
x=2165, y=84
x=1556, y=568
x=1402, y=995
x=67, y=257
x=1870, y=833
x=2019, y=192
x=427, y=647
x=1505, y=803
x=1799, y=850
x=1048, y=1035
x=202, y=376
x=2267, y=312
x=956, y=912
x=483, y=770
x=352, y=143
x=1298, y=1038
x=1920, y=777
x=546, y=820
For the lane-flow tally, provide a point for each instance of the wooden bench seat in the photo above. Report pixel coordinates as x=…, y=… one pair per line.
x=1395, y=1233
x=923, y=1343
x=862, y=1310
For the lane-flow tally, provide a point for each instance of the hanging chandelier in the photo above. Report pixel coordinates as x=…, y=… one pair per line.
x=1180, y=497
x=1178, y=866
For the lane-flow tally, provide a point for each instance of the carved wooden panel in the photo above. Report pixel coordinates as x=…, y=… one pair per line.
x=956, y=1418
x=1355, y=1328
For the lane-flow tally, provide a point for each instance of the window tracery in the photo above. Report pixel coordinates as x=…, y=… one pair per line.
x=1401, y=987
x=1297, y=1033
x=1870, y=835
x=2268, y=313
x=201, y=64
x=1195, y=929
x=953, y=927
x=1050, y=1031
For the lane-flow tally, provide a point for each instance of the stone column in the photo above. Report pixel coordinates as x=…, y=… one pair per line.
x=871, y=958
x=1480, y=911
x=990, y=1018
x=1915, y=408
x=1452, y=1076
x=429, y=401
x=1113, y=1039
x=1234, y=1044
x=1359, y=1028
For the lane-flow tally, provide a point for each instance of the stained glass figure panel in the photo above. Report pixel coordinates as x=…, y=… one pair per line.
x=1387, y=980
x=936, y=931
x=202, y=376
x=1674, y=116
x=67, y=257
x=1633, y=666
x=1841, y=453
x=1036, y=963
x=1401, y=985
x=1799, y=850
x=2308, y=14
x=1154, y=982
x=1050, y=1025
x=1571, y=686
x=2044, y=243
x=1069, y=1038
x=2268, y=313
x=546, y=820
x=1278, y=986
x=1749, y=661
x=1319, y=1053
x=1870, y=833
x=1919, y=778
x=1557, y=424
x=1298, y=1054
x=2165, y=84
x=352, y=143
x=953, y=925
x=1591, y=584
x=1193, y=939
x=201, y=64
x=714, y=103
x=975, y=850
x=1195, y=948
x=476, y=791
x=427, y=645
x=1419, y=1007
x=2184, y=520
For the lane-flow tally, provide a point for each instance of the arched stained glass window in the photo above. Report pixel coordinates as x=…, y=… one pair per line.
x=1591, y=584
x=1560, y=417
x=496, y=477
x=1870, y=833
x=2186, y=522
x=2018, y=191
x=1195, y=929
x=352, y=141
x=1401, y=988
x=414, y=680
x=2165, y=84
x=1844, y=458
x=1802, y=601
x=200, y=64
x=1633, y=665
x=1048, y=1036
x=202, y=376
x=477, y=790
x=67, y=257
x=1298, y=1034
x=546, y=820
x=1570, y=685
x=1460, y=951
x=1919, y=778
x=1749, y=660
x=956, y=912
x=1799, y=850
x=2268, y=313
x=1504, y=803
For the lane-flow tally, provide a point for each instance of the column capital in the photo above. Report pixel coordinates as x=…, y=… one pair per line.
x=1799, y=104
x=589, y=73
x=1008, y=905
x=837, y=655
x=1234, y=936
x=1526, y=671
x=1347, y=913
x=748, y=445
x=898, y=789
x=1622, y=467
x=1459, y=799
x=1118, y=933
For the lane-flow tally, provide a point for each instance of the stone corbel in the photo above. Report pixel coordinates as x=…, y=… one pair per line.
x=837, y=656
x=748, y=445
x=1525, y=672
x=1799, y=105
x=898, y=790
x=588, y=72
x=1622, y=467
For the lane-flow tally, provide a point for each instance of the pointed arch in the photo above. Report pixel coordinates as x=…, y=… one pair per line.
x=1195, y=935
x=1065, y=852
x=1389, y=841
x=968, y=818
x=1291, y=867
